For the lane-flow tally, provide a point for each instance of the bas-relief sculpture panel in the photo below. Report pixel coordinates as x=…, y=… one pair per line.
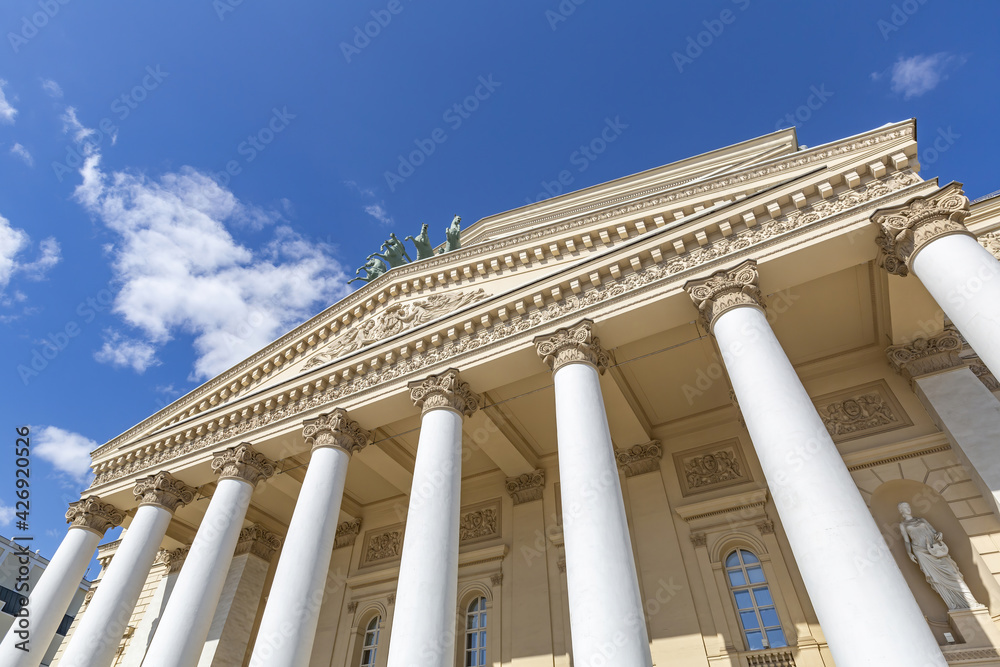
x=711, y=467
x=861, y=411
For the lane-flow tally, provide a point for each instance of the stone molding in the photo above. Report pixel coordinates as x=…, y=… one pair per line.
x=981, y=371
x=724, y=290
x=639, y=459
x=382, y=544
x=766, y=527
x=527, y=487
x=561, y=565
x=927, y=355
x=699, y=540
x=163, y=490
x=336, y=429
x=444, y=390
x=496, y=579
x=861, y=411
x=94, y=514
x=479, y=522
x=991, y=241
x=352, y=606
x=172, y=559
x=347, y=534
x=905, y=230
x=711, y=467
x=391, y=598
x=258, y=541
x=242, y=462
x=573, y=345
x=502, y=327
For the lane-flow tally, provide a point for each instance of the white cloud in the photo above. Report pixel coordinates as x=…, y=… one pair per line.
x=23, y=153
x=6, y=514
x=912, y=77
x=378, y=212
x=13, y=242
x=121, y=351
x=182, y=272
x=68, y=452
x=52, y=88
x=72, y=124
x=7, y=112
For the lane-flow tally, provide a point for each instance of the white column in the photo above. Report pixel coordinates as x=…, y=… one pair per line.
x=605, y=607
x=288, y=627
x=423, y=632
x=89, y=519
x=863, y=603
x=180, y=636
x=927, y=235
x=96, y=639
x=136, y=650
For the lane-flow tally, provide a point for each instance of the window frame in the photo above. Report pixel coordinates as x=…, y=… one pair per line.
x=751, y=588
x=363, y=636
x=481, y=621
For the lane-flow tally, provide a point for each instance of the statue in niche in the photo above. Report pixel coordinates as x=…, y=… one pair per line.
x=422, y=243
x=373, y=268
x=453, y=235
x=925, y=547
x=394, y=252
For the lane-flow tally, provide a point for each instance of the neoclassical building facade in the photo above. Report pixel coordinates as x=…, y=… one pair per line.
x=737, y=410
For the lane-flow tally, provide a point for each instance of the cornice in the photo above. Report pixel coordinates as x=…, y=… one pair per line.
x=591, y=288
x=254, y=370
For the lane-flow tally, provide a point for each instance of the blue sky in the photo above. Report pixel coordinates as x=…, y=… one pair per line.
x=180, y=183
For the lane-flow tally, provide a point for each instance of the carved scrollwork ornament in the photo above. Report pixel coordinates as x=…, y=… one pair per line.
x=927, y=355
x=444, y=390
x=94, y=514
x=905, y=230
x=724, y=290
x=258, y=541
x=639, y=459
x=163, y=490
x=527, y=487
x=573, y=345
x=243, y=462
x=336, y=429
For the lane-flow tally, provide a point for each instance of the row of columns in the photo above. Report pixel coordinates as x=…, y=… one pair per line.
x=862, y=602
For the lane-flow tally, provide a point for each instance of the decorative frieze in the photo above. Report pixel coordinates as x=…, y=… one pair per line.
x=396, y=318
x=991, y=241
x=94, y=514
x=927, y=355
x=444, y=390
x=627, y=286
x=347, y=533
x=711, y=467
x=242, y=462
x=861, y=411
x=640, y=459
x=335, y=429
x=479, y=522
x=573, y=345
x=258, y=541
x=724, y=290
x=382, y=545
x=905, y=230
x=163, y=490
x=527, y=487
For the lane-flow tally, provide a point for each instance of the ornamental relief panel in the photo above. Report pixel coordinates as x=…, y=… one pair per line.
x=479, y=522
x=519, y=324
x=711, y=467
x=382, y=545
x=397, y=317
x=861, y=411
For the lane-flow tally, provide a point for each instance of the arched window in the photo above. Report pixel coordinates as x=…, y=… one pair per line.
x=370, y=646
x=475, y=633
x=754, y=604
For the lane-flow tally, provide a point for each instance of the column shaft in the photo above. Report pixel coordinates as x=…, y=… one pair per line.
x=48, y=602
x=102, y=627
x=863, y=603
x=604, y=603
x=964, y=278
x=423, y=632
x=288, y=627
x=181, y=634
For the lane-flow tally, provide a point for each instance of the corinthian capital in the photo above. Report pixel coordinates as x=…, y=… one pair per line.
x=573, y=345
x=93, y=514
x=445, y=390
x=724, y=290
x=927, y=355
x=335, y=429
x=243, y=462
x=164, y=490
x=258, y=541
x=904, y=230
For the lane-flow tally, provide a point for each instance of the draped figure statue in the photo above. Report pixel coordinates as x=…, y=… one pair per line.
x=925, y=547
